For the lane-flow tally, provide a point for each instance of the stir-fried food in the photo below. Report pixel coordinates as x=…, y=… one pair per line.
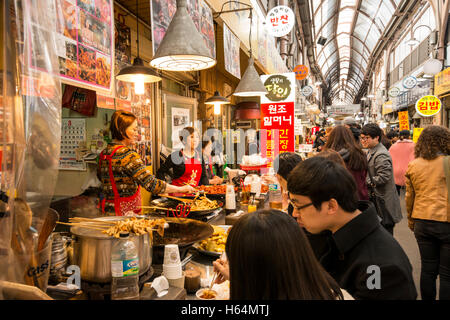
x=137, y=226
x=208, y=294
x=215, y=243
x=204, y=203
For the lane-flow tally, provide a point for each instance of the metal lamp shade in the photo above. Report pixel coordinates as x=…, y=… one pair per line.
x=250, y=84
x=138, y=72
x=217, y=99
x=182, y=48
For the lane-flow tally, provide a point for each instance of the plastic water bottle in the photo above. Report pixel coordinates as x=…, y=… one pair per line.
x=124, y=269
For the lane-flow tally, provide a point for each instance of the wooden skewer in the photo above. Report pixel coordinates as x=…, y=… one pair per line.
x=92, y=220
x=180, y=199
x=82, y=225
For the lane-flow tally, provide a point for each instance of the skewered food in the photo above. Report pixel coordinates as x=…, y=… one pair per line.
x=136, y=226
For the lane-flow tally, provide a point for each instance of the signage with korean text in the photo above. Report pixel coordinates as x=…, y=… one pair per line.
x=277, y=114
x=280, y=21
x=403, y=120
x=442, y=82
x=387, y=107
x=428, y=106
x=301, y=72
x=341, y=110
x=307, y=91
x=409, y=82
x=298, y=127
x=306, y=148
x=394, y=92
x=416, y=134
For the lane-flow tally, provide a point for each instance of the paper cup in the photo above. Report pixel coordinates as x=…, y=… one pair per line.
x=171, y=254
x=172, y=271
x=178, y=283
x=161, y=286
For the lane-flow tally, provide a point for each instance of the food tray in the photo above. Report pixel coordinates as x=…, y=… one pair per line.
x=210, y=253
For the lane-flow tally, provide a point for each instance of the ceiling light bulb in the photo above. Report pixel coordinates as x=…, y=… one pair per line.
x=139, y=87
x=216, y=109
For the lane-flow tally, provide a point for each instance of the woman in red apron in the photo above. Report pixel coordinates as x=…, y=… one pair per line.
x=208, y=165
x=184, y=166
x=122, y=171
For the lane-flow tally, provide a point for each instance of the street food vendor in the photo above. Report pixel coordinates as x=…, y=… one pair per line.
x=122, y=172
x=209, y=177
x=184, y=166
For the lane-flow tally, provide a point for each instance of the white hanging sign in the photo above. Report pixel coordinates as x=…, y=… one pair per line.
x=409, y=82
x=280, y=21
x=307, y=91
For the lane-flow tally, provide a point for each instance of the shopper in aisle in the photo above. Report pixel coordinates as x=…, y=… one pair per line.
x=363, y=257
x=184, y=167
x=269, y=258
x=393, y=136
x=331, y=155
x=319, y=142
x=342, y=140
x=402, y=153
x=122, y=171
x=387, y=143
x=428, y=209
x=353, y=126
x=208, y=178
x=380, y=176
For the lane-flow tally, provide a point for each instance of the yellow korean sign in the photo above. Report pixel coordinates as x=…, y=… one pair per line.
x=403, y=120
x=416, y=134
x=428, y=106
x=442, y=82
x=387, y=107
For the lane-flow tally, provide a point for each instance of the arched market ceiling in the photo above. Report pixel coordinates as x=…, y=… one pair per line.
x=352, y=29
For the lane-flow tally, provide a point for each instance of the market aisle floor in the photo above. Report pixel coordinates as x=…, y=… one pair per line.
x=408, y=242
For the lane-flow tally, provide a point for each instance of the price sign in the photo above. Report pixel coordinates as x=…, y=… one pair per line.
x=306, y=148
x=428, y=106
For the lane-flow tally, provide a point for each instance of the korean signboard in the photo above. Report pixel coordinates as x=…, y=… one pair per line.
x=428, y=106
x=280, y=21
x=403, y=120
x=277, y=114
x=301, y=72
x=442, y=82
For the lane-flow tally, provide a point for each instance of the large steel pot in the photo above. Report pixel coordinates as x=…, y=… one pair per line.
x=92, y=252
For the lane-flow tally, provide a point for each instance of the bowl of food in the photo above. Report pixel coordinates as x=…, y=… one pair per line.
x=206, y=294
x=214, y=246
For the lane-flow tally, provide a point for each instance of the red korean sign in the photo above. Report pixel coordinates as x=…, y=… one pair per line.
x=277, y=115
x=278, y=119
x=403, y=120
x=428, y=106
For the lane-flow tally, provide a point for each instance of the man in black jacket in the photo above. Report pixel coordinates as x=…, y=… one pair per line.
x=361, y=255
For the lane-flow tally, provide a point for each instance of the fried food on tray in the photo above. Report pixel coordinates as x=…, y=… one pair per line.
x=137, y=226
x=215, y=243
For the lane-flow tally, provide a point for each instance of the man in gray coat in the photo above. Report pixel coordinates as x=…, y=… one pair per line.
x=381, y=170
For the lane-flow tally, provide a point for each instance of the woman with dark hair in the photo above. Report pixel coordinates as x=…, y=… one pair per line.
x=428, y=208
x=269, y=258
x=184, y=166
x=208, y=178
x=341, y=139
x=122, y=172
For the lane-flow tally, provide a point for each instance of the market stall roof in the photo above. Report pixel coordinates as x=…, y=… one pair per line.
x=352, y=29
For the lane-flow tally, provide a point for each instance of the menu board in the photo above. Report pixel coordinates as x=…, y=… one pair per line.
x=83, y=33
x=163, y=12
x=73, y=136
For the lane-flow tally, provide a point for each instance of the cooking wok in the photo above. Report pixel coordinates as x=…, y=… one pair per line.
x=181, y=231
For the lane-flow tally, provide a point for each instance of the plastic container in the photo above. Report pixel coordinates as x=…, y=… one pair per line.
x=124, y=269
x=230, y=199
x=275, y=196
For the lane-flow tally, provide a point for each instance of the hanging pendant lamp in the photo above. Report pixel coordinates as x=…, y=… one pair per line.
x=138, y=72
x=250, y=84
x=217, y=99
x=183, y=47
